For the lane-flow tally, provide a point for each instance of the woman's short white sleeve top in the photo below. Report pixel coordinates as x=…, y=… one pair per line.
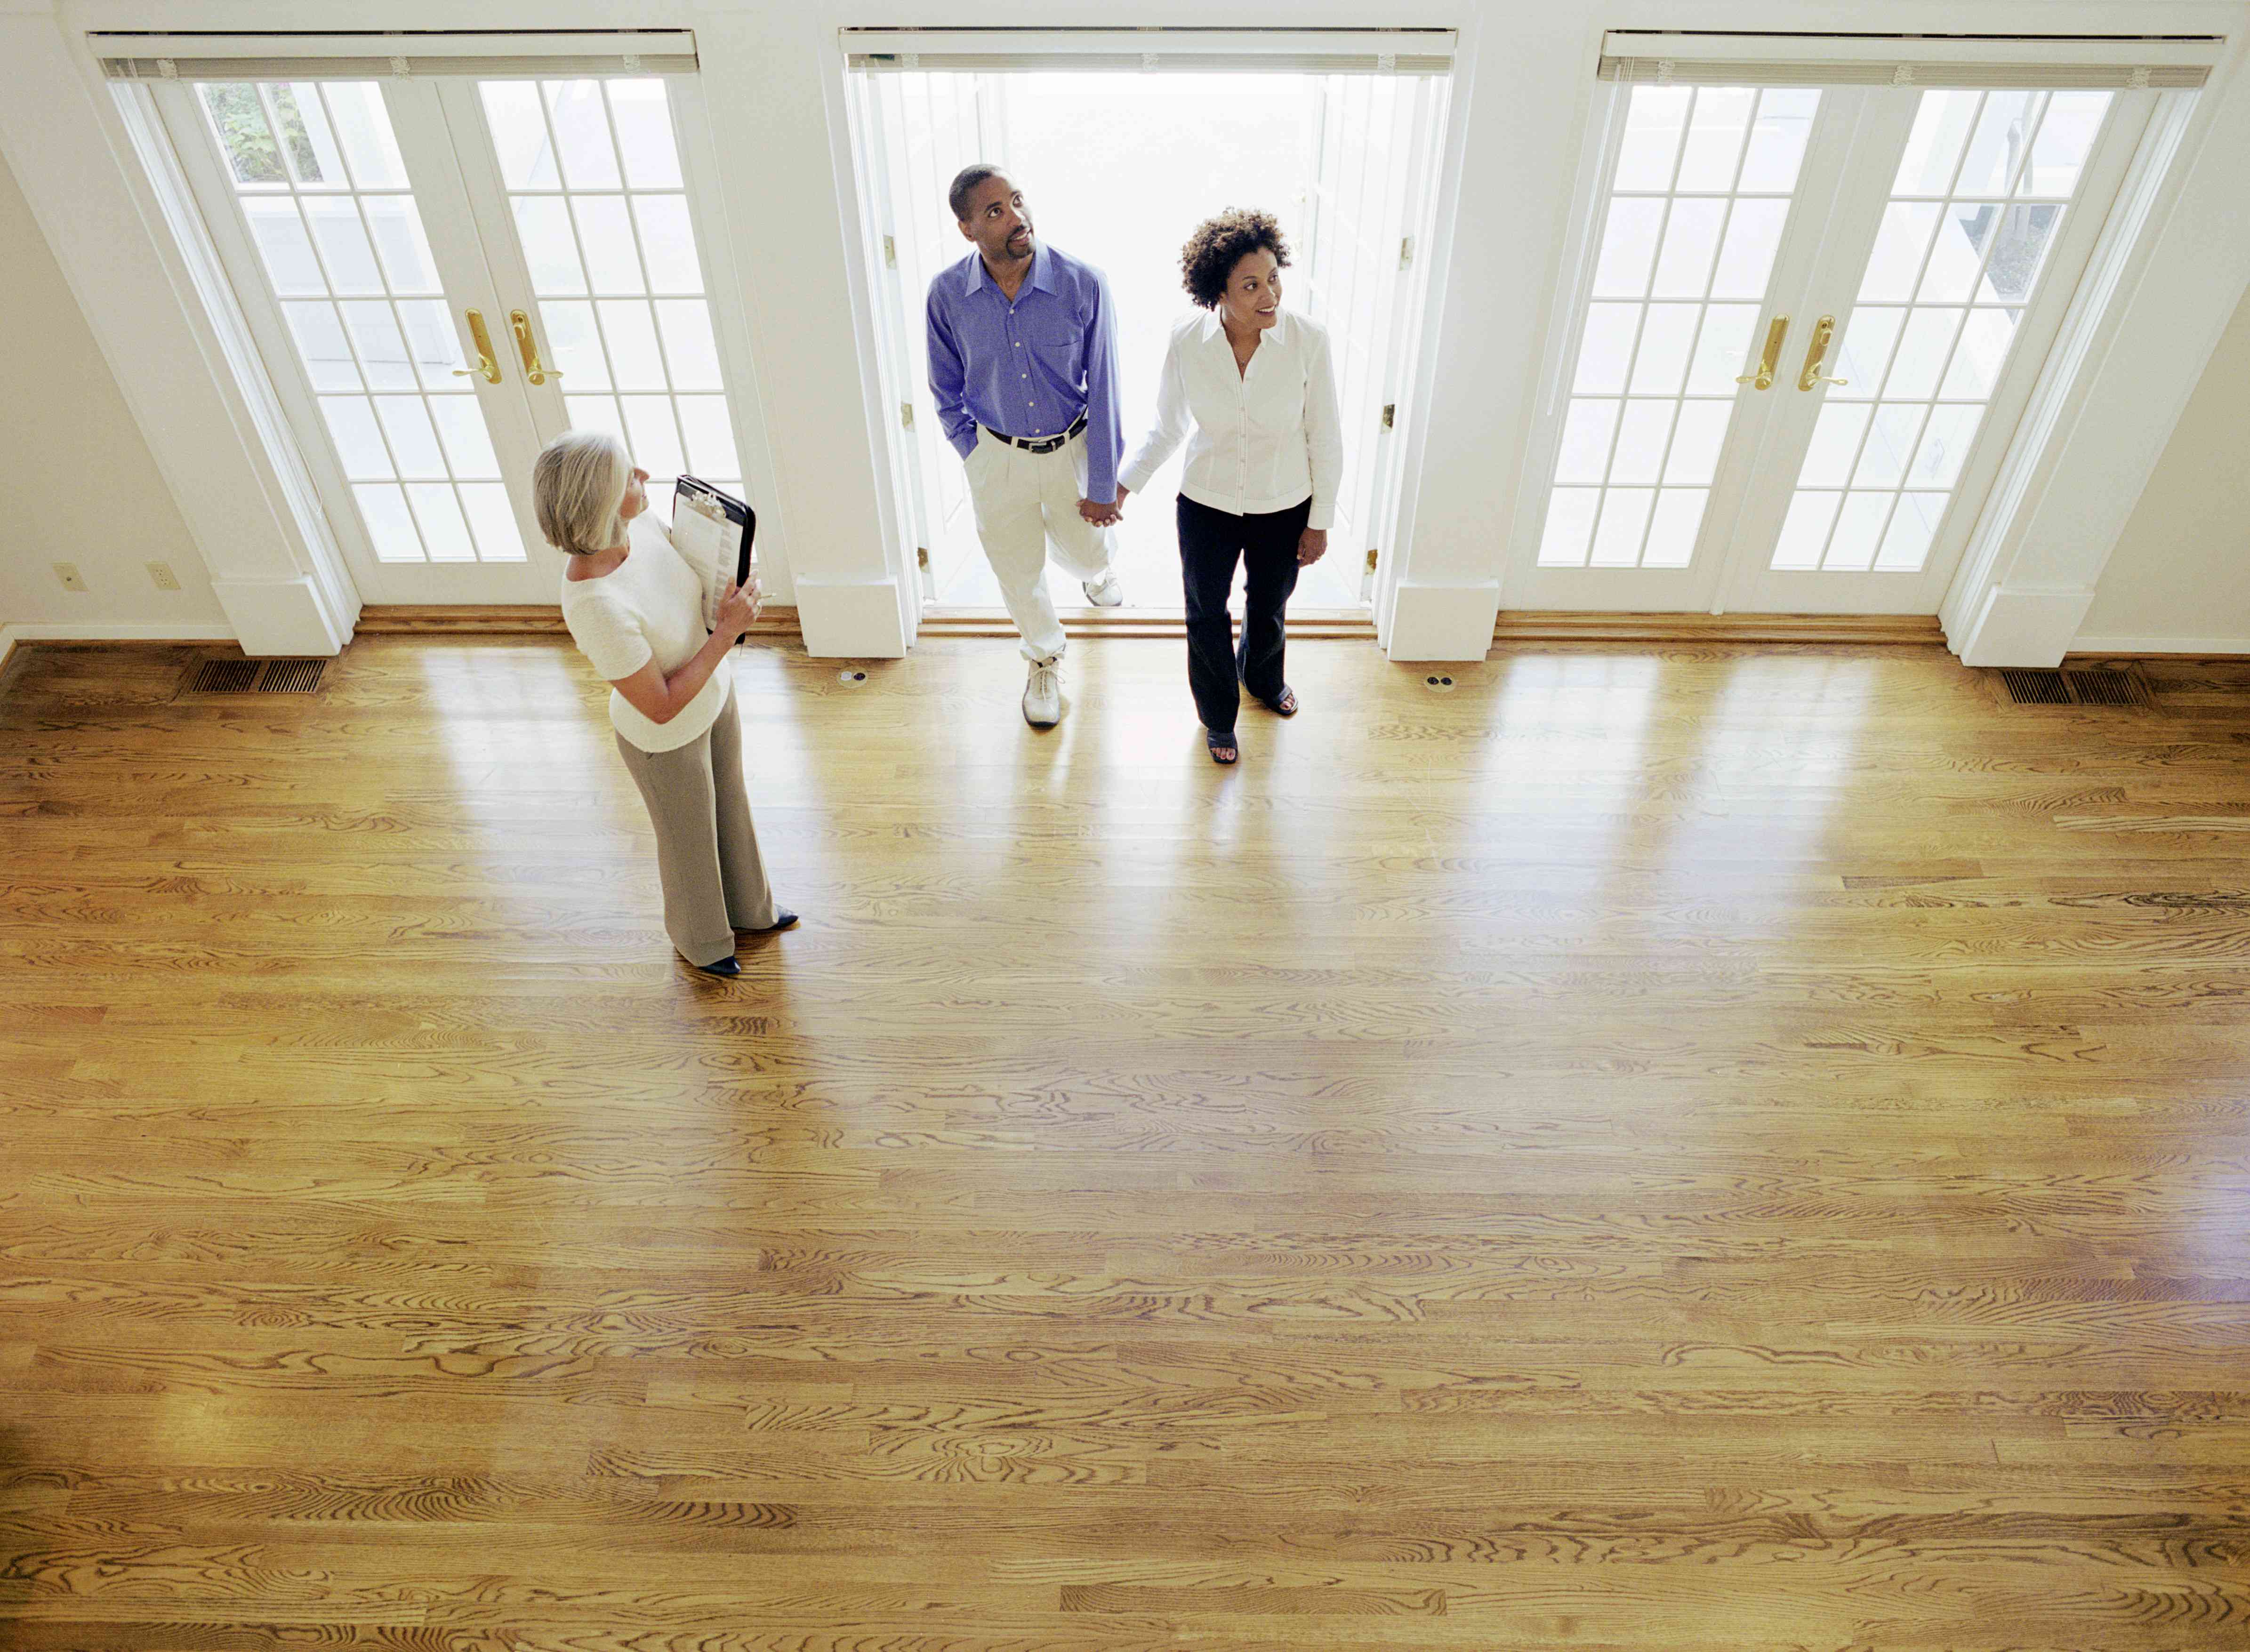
x=650, y=607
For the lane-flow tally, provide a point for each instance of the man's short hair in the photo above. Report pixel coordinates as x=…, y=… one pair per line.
x=964, y=185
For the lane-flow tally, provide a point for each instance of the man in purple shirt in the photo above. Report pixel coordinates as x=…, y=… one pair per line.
x=1023, y=364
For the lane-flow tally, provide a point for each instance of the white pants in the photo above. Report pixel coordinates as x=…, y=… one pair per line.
x=1024, y=501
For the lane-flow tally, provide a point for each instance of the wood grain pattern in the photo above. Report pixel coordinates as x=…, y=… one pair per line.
x=1662, y=1146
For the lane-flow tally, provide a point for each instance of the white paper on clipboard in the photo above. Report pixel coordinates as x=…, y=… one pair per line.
x=708, y=528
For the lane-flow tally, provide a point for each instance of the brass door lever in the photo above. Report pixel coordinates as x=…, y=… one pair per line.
x=1764, y=377
x=1816, y=357
x=535, y=370
x=487, y=368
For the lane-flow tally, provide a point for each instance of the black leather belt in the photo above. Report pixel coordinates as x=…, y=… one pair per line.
x=1043, y=445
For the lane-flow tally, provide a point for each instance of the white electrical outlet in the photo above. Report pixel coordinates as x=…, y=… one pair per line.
x=161, y=572
x=68, y=574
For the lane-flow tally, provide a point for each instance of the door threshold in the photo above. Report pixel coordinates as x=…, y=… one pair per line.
x=1354, y=624
x=506, y=619
x=1559, y=625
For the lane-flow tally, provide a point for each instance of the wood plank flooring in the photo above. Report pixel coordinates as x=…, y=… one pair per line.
x=1650, y=1148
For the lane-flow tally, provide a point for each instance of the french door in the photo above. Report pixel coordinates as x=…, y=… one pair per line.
x=441, y=273
x=1809, y=322
x=1342, y=152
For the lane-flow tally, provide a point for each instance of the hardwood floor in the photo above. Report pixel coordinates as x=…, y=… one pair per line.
x=1650, y=1148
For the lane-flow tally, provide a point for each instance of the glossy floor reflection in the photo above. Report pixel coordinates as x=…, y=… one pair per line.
x=1666, y=1149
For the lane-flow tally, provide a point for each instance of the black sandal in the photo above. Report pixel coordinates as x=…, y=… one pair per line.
x=1226, y=743
x=1283, y=704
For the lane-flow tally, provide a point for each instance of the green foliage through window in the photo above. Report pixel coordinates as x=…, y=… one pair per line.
x=242, y=128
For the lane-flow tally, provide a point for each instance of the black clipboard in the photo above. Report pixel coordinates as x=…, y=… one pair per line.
x=695, y=502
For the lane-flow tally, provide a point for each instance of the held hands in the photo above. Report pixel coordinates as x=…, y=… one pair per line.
x=1312, y=545
x=1104, y=515
x=738, y=609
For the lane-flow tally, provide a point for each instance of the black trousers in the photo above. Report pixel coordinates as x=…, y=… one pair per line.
x=1266, y=544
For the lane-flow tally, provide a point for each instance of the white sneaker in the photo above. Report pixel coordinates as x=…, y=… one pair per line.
x=1105, y=592
x=1043, y=695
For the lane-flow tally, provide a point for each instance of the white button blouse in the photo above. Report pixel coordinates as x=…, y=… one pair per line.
x=1265, y=438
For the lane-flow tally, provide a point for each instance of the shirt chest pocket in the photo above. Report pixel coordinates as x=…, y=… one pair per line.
x=1053, y=331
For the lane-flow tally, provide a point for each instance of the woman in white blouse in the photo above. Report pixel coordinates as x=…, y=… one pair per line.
x=1262, y=467
x=635, y=609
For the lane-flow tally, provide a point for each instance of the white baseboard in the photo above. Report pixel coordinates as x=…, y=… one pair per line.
x=2022, y=624
x=110, y=631
x=850, y=619
x=1442, y=622
x=2160, y=645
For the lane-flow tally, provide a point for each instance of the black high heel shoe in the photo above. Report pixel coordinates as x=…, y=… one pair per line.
x=725, y=966
x=786, y=920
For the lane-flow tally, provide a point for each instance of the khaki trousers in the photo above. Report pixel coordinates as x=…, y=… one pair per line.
x=1025, y=503
x=707, y=850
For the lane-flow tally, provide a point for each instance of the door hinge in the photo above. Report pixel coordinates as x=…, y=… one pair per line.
x=1371, y=554
x=922, y=556
x=1389, y=414
x=905, y=414
x=890, y=252
x=1407, y=252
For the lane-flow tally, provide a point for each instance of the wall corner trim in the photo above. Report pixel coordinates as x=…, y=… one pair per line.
x=2022, y=624
x=1451, y=620
x=283, y=618
x=850, y=619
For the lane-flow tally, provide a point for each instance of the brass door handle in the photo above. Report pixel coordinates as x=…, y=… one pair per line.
x=535, y=370
x=1764, y=377
x=487, y=368
x=1816, y=355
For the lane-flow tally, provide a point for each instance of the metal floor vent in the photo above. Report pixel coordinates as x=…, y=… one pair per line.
x=291, y=676
x=2030, y=687
x=257, y=677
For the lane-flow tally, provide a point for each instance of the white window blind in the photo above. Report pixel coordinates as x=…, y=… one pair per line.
x=1169, y=51
x=2114, y=62
x=364, y=57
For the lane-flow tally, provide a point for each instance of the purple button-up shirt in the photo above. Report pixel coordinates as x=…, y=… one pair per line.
x=1031, y=368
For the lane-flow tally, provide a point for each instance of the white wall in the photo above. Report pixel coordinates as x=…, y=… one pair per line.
x=774, y=76
x=82, y=487
x=2180, y=579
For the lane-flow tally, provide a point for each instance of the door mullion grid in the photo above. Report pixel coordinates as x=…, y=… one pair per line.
x=1898, y=349
x=1968, y=142
x=655, y=318
x=191, y=132
x=640, y=259
x=2032, y=130
x=353, y=193
x=1950, y=200
x=336, y=301
x=1646, y=307
x=1702, y=315
x=585, y=264
x=1678, y=398
x=2002, y=205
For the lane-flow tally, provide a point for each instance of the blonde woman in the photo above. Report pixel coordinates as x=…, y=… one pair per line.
x=635, y=609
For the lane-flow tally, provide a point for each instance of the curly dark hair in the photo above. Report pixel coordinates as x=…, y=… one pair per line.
x=1219, y=244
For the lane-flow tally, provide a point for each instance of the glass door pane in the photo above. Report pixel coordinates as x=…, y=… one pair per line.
x=1690, y=230
x=592, y=217
x=316, y=174
x=1976, y=204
